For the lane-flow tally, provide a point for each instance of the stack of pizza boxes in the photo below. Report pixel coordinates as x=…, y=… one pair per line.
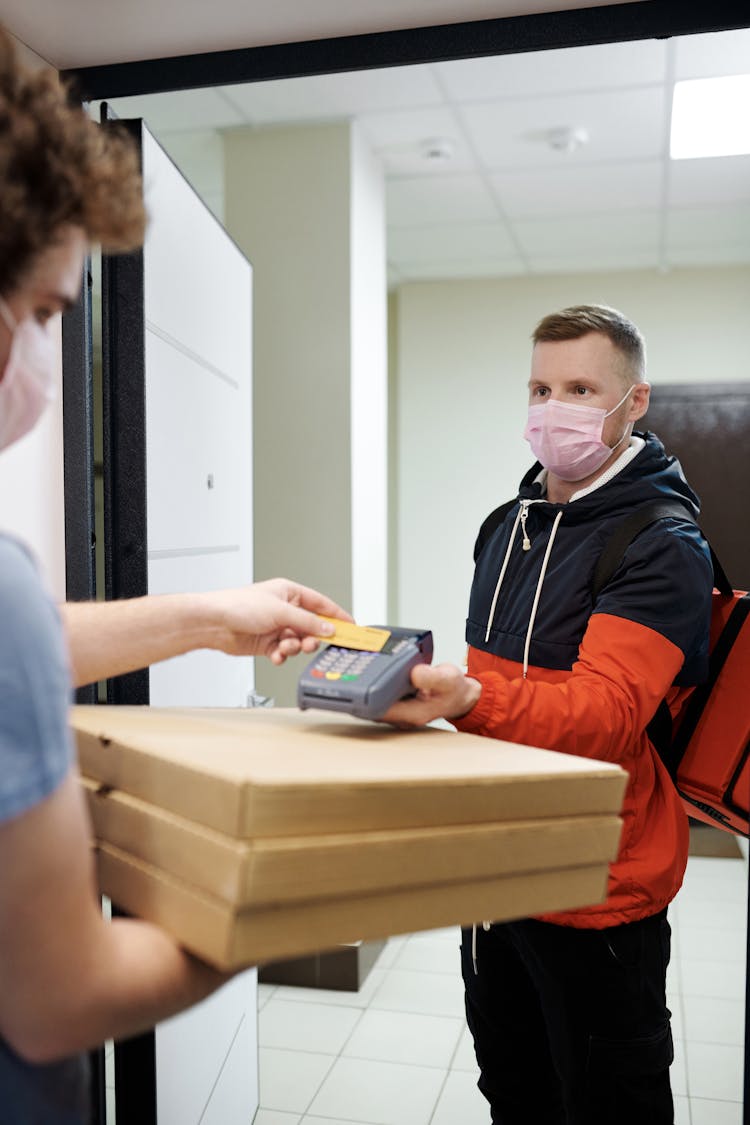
x=264, y=834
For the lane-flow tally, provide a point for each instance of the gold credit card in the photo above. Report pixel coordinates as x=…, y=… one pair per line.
x=364, y=637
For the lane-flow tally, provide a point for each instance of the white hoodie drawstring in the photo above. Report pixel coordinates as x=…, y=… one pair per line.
x=526, y=545
x=485, y=927
x=521, y=517
x=504, y=567
x=538, y=593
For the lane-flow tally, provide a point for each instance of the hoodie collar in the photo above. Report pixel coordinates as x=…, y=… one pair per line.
x=635, y=446
x=642, y=473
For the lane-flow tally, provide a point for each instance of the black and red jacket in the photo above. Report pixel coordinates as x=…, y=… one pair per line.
x=565, y=673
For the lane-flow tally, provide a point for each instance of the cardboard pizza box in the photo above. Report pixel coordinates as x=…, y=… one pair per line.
x=282, y=869
x=261, y=773
x=231, y=939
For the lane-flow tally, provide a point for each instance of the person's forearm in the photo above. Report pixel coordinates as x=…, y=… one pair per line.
x=68, y=978
x=137, y=978
x=109, y=638
x=140, y=979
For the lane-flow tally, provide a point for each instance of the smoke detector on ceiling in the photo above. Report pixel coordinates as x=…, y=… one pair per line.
x=566, y=138
x=437, y=150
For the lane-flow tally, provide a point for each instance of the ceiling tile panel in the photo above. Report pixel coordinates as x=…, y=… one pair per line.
x=621, y=126
x=582, y=234
x=552, y=72
x=405, y=141
x=327, y=96
x=569, y=190
x=469, y=240
x=445, y=199
x=718, y=180
x=689, y=227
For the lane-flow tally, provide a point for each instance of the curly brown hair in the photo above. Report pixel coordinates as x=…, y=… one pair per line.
x=58, y=168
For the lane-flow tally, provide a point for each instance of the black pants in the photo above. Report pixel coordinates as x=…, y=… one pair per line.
x=571, y=1027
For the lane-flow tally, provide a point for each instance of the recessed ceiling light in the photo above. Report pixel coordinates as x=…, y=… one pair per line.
x=711, y=117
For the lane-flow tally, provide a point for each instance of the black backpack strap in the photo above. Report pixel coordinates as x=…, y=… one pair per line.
x=493, y=521
x=659, y=730
x=721, y=582
x=632, y=525
x=625, y=533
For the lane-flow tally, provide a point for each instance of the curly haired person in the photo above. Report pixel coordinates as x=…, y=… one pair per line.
x=68, y=979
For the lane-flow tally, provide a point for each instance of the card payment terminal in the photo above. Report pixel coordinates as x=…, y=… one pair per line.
x=364, y=683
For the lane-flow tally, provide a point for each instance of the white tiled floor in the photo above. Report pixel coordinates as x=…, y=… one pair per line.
x=398, y=1053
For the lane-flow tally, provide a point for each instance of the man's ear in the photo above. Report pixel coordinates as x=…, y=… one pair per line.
x=639, y=402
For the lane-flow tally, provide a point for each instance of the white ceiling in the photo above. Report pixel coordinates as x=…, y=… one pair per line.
x=507, y=203
x=72, y=33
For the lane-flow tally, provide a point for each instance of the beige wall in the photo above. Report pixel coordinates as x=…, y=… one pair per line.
x=368, y=378
x=462, y=357
x=306, y=206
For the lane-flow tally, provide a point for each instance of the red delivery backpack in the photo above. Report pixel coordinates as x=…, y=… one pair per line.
x=707, y=747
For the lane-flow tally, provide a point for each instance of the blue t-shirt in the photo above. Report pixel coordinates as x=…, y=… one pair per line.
x=36, y=754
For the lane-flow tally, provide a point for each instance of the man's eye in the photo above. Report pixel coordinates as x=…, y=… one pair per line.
x=41, y=316
x=582, y=390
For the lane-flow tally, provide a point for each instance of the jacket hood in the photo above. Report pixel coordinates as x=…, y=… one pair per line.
x=651, y=475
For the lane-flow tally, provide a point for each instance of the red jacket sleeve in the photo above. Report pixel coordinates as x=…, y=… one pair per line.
x=597, y=710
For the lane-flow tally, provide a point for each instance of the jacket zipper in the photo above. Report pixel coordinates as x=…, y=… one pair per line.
x=524, y=514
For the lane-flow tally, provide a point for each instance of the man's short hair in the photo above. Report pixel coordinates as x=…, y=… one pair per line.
x=58, y=168
x=580, y=320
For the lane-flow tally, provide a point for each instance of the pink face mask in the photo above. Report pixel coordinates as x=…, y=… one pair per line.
x=567, y=438
x=26, y=384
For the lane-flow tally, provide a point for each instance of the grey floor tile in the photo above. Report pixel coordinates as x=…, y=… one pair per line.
x=460, y=1101
x=388, y=956
x=711, y=943
x=326, y=1121
x=710, y=1019
x=381, y=1093
x=324, y=1028
x=682, y=1111
x=464, y=1058
x=715, y=1071
x=678, y=1071
x=289, y=1080
x=731, y=917
x=721, y=979
x=436, y=994
x=705, y=1112
x=423, y=955
x=405, y=1037
x=265, y=992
